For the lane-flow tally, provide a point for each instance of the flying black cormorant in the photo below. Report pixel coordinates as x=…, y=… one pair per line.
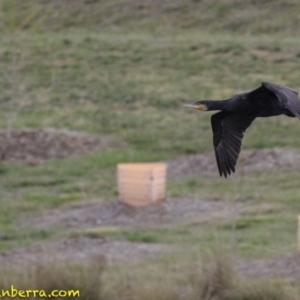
x=237, y=113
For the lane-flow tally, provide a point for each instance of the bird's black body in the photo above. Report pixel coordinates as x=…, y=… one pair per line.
x=237, y=113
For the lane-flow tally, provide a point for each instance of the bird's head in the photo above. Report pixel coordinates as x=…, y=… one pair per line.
x=199, y=105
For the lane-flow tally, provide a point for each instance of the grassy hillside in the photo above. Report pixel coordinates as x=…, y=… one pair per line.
x=117, y=84
x=122, y=78
x=159, y=17
x=124, y=69
x=103, y=64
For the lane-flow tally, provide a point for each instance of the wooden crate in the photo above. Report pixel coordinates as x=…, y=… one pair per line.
x=141, y=183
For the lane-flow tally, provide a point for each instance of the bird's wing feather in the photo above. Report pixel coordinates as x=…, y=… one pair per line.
x=228, y=130
x=287, y=95
x=270, y=85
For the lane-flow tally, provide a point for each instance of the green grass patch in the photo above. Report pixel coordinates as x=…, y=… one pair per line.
x=250, y=222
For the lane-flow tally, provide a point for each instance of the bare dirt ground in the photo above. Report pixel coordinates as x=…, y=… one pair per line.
x=36, y=146
x=77, y=248
x=249, y=161
x=171, y=211
x=287, y=266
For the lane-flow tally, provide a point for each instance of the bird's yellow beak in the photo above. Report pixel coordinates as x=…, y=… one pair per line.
x=197, y=106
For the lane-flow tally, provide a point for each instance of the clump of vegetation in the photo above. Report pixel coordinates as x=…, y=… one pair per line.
x=209, y=279
x=215, y=280
x=220, y=282
x=84, y=275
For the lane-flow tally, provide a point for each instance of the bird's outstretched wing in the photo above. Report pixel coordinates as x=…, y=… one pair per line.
x=287, y=95
x=228, y=129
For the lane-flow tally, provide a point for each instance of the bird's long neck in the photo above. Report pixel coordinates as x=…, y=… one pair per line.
x=215, y=104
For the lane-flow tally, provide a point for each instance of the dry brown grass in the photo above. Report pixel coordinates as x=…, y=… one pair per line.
x=215, y=280
x=84, y=275
x=219, y=282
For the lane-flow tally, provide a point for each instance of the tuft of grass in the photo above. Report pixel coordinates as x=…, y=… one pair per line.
x=211, y=277
x=155, y=234
x=140, y=237
x=255, y=221
x=263, y=289
x=206, y=278
x=217, y=278
x=80, y=275
x=96, y=232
